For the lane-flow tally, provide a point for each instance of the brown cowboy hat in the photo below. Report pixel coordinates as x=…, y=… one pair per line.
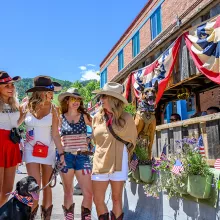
x=72, y=92
x=5, y=78
x=44, y=83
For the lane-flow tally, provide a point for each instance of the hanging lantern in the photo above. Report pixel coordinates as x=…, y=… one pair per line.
x=183, y=93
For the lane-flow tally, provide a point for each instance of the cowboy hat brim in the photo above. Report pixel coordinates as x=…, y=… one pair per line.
x=65, y=94
x=14, y=79
x=57, y=87
x=110, y=93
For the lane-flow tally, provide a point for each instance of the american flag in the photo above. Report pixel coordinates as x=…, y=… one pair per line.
x=87, y=169
x=177, y=167
x=30, y=135
x=69, y=216
x=200, y=145
x=217, y=164
x=134, y=162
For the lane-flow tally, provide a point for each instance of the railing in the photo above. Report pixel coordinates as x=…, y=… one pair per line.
x=208, y=126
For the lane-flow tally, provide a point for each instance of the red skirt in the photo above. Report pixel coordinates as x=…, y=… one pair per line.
x=10, y=154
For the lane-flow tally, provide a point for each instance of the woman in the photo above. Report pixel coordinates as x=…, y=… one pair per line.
x=9, y=118
x=110, y=162
x=73, y=135
x=42, y=123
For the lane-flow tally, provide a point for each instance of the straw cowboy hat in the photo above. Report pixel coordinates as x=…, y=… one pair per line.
x=72, y=92
x=5, y=78
x=44, y=83
x=112, y=89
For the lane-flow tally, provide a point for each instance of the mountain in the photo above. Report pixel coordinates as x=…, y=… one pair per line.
x=26, y=83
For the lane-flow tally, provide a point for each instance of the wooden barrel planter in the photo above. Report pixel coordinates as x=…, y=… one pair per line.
x=200, y=186
x=146, y=173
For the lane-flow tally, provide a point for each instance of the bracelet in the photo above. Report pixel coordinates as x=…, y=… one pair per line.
x=61, y=154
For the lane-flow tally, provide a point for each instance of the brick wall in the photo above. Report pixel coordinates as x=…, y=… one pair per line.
x=170, y=8
x=210, y=98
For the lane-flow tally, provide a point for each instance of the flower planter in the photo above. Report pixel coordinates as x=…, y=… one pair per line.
x=164, y=177
x=136, y=174
x=176, y=185
x=146, y=173
x=199, y=186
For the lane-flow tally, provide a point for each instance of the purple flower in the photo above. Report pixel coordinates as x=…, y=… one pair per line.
x=153, y=171
x=189, y=165
x=213, y=185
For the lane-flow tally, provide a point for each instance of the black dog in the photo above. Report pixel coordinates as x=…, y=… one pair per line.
x=15, y=209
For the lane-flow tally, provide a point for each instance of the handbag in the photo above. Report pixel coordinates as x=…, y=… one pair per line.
x=40, y=150
x=15, y=136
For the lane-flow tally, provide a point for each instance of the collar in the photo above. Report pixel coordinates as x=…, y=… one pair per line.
x=27, y=200
x=144, y=107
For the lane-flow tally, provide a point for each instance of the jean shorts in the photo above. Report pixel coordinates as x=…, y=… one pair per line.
x=78, y=162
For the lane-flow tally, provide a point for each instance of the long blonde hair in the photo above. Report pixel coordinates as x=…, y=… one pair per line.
x=13, y=103
x=35, y=100
x=117, y=108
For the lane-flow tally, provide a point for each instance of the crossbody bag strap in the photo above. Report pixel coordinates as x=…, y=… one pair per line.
x=113, y=133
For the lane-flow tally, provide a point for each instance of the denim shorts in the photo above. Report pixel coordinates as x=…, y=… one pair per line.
x=78, y=162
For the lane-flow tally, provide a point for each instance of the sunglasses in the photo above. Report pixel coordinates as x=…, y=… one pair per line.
x=73, y=99
x=173, y=119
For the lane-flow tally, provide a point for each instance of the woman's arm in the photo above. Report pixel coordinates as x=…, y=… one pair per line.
x=22, y=115
x=87, y=121
x=55, y=132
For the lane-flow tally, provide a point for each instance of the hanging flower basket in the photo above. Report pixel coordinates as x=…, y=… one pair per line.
x=165, y=177
x=199, y=186
x=136, y=174
x=146, y=173
x=180, y=185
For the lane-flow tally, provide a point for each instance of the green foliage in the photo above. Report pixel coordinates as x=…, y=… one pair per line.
x=130, y=109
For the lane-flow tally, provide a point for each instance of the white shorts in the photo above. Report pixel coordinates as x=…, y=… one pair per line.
x=118, y=175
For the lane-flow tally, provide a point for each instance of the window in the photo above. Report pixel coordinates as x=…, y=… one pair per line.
x=135, y=44
x=120, y=60
x=103, y=79
x=156, y=26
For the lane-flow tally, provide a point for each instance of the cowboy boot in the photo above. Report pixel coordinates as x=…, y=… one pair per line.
x=46, y=213
x=69, y=213
x=104, y=216
x=85, y=213
x=113, y=217
x=34, y=213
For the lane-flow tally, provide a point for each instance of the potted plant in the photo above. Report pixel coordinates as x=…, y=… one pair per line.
x=145, y=165
x=199, y=174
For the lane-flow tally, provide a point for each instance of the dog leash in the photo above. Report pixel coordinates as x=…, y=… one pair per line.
x=57, y=168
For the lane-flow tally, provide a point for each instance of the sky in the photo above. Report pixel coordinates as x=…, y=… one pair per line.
x=65, y=39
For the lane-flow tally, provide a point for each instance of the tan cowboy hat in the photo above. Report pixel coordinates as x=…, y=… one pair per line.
x=112, y=89
x=73, y=92
x=44, y=83
x=5, y=78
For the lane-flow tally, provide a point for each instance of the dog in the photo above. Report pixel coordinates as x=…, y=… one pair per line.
x=145, y=119
x=16, y=208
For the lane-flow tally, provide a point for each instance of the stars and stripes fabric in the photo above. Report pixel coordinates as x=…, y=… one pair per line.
x=69, y=216
x=30, y=135
x=177, y=167
x=87, y=169
x=203, y=43
x=160, y=70
x=27, y=200
x=217, y=164
x=134, y=162
x=200, y=146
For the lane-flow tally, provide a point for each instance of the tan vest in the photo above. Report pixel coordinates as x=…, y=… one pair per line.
x=109, y=151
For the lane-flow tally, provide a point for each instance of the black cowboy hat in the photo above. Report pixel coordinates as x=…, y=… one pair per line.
x=44, y=83
x=5, y=78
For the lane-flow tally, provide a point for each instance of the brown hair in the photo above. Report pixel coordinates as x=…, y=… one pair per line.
x=35, y=100
x=81, y=109
x=117, y=108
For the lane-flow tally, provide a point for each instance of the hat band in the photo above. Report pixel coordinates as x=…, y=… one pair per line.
x=74, y=93
x=50, y=87
x=6, y=79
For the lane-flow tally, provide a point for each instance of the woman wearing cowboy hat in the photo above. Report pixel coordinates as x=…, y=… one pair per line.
x=73, y=135
x=110, y=162
x=42, y=121
x=9, y=118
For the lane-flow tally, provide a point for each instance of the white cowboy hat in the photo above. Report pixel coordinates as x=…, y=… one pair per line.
x=73, y=92
x=112, y=89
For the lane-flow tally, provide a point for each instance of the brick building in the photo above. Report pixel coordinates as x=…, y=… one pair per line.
x=158, y=24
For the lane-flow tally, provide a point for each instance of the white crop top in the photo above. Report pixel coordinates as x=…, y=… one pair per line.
x=8, y=119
